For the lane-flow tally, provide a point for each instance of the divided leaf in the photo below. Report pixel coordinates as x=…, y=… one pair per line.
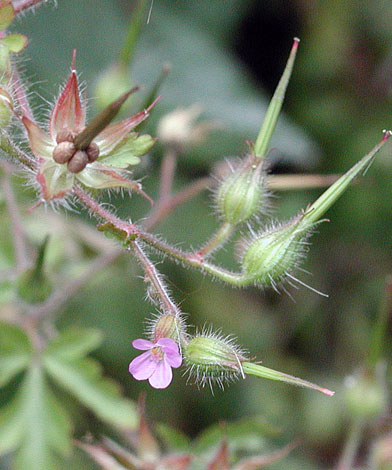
x=82, y=377
x=15, y=352
x=128, y=152
x=35, y=424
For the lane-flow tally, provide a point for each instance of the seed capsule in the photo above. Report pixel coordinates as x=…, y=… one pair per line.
x=78, y=162
x=63, y=152
x=92, y=152
x=273, y=254
x=241, y=193
x=212, y=358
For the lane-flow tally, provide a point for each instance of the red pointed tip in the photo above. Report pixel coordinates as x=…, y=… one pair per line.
x=330, y=393
x=73, y=64
x=158, y=98
x=296, y=41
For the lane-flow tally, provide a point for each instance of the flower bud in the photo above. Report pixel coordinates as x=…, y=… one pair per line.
x=212, y=358
x=365, y=396
x=272, y=255
x=167, y=325
x=92, y=152
x=242, y=192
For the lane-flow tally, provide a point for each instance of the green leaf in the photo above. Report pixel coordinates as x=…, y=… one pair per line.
x=75, y=343
x=35, y=424
x=173, y=439
x=128, y=152
x=15, y=42
x=251, y=434
x=7, y=15
x=15, y=352
x=83, y=379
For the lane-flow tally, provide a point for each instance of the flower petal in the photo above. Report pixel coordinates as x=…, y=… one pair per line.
x=40, y=143
x=173, y=358
x=142, y=344
x=112, y=135
x=162, y=376
x=68, y=112
x=54, y=180
x=167, y=344
x=143, y=366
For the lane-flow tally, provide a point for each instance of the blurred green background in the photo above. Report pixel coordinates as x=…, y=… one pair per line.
x=228, y=56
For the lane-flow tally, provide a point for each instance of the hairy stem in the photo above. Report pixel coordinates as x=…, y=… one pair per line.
x=154, y=277
x=14, y=153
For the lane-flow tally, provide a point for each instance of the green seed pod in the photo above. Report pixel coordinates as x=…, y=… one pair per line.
x=211, y=358
x=272, y=255
x=242, y=193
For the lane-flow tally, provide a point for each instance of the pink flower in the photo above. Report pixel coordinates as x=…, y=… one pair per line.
x=156, y=363
x=101, y=165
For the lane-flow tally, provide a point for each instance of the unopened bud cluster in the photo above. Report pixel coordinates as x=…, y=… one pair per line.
x=66, y=152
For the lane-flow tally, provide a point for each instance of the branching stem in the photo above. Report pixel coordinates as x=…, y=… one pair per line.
x=133, y=232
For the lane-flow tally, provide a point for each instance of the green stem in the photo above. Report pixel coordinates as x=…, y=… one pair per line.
x=219, y=238
x=271, y=118
x=271, y=374
x=346, y=461
x=129, y=47
x=381, y=325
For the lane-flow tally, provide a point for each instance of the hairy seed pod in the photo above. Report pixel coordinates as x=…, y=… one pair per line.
x=272, y=255
x=92, y=152
x=242, y=193
x=78, y=162
x=65, y=135
x=211, y=358
x=63, y=152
